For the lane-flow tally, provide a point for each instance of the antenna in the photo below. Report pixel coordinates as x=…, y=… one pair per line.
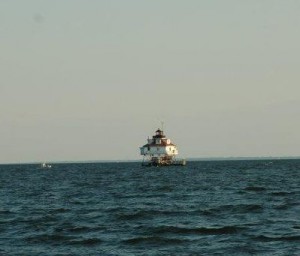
x=161, y=123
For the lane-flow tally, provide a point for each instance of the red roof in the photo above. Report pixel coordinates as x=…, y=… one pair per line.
x=159, y=145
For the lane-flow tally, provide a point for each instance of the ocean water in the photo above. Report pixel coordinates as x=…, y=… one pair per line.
x=204, y=208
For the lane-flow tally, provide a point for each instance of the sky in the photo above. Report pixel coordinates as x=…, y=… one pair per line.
x=87, y=80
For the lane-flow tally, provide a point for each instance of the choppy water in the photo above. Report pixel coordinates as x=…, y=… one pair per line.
x=204, y=208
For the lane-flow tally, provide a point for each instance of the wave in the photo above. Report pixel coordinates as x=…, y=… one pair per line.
x=281, y=193
x=78, y=229
x=62, y=239
x=232, y=208
x=146, y=214
x=86, y=242
x=155, y=240
x=280, y=238
x=2, y=211
x=46, y=238
x=35, y=220
x=59, y=210
x=254, y=188
x=200, y=230
x=282, y=207
x=125, y=215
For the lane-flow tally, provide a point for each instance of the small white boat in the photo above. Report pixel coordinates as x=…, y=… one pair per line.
x=44, y=165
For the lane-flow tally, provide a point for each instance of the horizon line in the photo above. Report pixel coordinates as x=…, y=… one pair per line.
x=193, y=159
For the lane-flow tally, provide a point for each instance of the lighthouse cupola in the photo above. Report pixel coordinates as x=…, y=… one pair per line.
x=159, y=134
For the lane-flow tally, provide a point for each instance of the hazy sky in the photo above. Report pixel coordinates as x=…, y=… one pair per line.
x=91, y=80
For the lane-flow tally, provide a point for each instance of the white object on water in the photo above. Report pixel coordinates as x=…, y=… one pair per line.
x=44, y=165
x=160, y=151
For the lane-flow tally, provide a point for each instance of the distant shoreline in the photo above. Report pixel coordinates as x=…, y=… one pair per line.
x=243, y=158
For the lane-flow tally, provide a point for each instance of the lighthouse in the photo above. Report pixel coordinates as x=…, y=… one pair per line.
x=160, y=151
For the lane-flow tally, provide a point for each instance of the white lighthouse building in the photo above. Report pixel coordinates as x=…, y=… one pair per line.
x=160, y=151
